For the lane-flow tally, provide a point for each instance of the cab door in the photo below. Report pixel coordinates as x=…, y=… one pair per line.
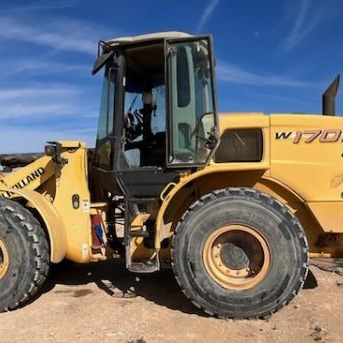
x=192, y=106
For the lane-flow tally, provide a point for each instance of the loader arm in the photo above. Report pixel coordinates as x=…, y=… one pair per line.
x=29, y=177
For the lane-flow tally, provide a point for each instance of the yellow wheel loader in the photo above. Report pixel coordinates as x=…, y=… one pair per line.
x=235, y=203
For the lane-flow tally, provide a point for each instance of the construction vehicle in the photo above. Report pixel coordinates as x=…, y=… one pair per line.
x=235, y=203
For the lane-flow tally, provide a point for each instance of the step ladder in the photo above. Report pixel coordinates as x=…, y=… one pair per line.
x=134, y=227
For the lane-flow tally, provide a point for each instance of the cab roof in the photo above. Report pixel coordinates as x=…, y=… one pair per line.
x=147, y=37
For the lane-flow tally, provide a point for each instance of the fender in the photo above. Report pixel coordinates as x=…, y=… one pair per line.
x=51, y=219
x=171, y=190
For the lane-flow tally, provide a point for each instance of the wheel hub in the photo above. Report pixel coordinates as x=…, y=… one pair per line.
x=236, y=257
x=233, y=256
x=4, y=259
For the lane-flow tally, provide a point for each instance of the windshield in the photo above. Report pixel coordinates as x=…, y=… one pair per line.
x=106, y=116
x=192, y=102
x=103, y=154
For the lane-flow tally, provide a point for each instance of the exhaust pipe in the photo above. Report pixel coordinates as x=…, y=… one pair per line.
x=329, y=97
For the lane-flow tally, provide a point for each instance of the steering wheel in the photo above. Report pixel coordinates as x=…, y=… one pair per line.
x=133, y=124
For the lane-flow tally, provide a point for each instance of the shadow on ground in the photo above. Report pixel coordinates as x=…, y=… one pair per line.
x=113, y=278
x=311, y=281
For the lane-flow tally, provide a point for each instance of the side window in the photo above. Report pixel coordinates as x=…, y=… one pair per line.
x=183, y=82
x=110, y=120
x=145, y=125
x=158, y=121
x=133, y=136
x=106, y=116
x=103, y=153
x=241, y=145
x=102, y=123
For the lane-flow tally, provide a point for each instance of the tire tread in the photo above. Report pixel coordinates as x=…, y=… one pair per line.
x=265, y=200
x=38, y=245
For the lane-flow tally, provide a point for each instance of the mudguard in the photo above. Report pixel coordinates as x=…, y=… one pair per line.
x=52, y=220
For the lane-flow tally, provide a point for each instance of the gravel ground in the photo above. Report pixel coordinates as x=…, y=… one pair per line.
x=106, y=303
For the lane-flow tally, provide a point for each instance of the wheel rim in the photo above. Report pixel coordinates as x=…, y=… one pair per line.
x=236, y=257
x=4, y=259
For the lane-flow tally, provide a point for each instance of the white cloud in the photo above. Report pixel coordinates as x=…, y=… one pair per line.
x=58, y=34
x=46, y=101
x=42, y=98
x=40, y=6
x=36, y=110
x=31, y=116
x=35, y=67
x=305, y=22
x=208, y=12
x=44, y=92
x=234, y=74
x=21, y=140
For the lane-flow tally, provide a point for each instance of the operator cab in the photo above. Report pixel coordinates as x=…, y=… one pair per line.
x=158, y=111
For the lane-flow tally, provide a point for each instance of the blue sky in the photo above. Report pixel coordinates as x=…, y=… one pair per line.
x=272, y=56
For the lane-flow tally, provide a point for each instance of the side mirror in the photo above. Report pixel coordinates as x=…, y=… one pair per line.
x=105, y=52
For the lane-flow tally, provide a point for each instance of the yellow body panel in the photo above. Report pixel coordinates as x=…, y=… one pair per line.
x=306, y=176
x=313, y=168
x=310, y=162
x=72, y=179
x=328, y=215
x=232, y=120
x=50, y=188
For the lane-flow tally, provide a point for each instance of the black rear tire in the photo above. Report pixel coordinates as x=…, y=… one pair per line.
x=24, y=255
x=275, y=241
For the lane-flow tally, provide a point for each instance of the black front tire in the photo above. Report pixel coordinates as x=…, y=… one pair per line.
x=260, y=214
x=26, y=249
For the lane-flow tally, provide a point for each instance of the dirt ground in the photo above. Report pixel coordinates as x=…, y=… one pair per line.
x=106, y=303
